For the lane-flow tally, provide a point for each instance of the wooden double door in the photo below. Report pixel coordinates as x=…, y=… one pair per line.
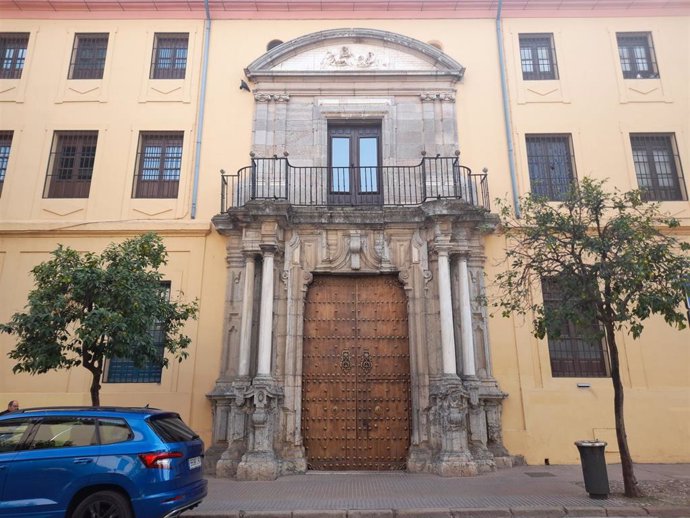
x=356, y=374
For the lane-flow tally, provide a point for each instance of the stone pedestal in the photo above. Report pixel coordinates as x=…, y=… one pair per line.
x=260, y=461
x=232, y=407
x=450, y=407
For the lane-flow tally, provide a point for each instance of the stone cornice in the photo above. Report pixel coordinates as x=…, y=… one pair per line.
x=336, y=9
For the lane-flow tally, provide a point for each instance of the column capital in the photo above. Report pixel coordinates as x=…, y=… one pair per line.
x=442, y=247
x=250, y=254
x=269, y=249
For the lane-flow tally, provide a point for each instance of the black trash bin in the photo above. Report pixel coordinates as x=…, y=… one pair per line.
x=594, y=468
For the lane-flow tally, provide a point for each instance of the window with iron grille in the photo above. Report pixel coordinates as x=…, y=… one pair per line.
x=13, y=54
x=123, y=370
x=551, y=165
x=5, y=146
x=538, y=57
x=159, y=160
x=574, y=353
x=169, y=60
x=71, y=163
x=636, y=52
x=657, y=167
x=88, y=56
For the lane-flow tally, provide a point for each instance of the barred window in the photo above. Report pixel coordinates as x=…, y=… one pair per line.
x=657, y=166
x=123, y=370
x=13, y=54
x=573, y=353
x=636, y=52
x=5, y=146
x=70, y=167
x=169, y=60
x=551, y=165
x=159, y=160
x=88, y=56
x=538, y=57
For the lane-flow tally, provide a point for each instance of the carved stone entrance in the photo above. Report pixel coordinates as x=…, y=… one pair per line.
x=356, y=374
x=401, y=376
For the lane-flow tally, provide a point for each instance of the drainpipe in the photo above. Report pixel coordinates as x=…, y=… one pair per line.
x=202, y=106
x=506, y=111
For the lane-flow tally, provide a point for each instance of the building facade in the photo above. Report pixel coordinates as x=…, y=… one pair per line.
x=322, y=175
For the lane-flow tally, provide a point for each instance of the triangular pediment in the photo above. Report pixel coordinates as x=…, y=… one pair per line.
x=354, y=52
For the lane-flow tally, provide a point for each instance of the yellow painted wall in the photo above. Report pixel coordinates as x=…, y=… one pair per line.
x=542, y=415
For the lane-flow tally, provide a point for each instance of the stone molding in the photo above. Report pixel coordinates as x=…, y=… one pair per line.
x=262, y=97
x=437, y=96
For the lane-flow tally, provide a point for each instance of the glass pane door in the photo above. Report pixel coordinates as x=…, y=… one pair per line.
x=354, y=164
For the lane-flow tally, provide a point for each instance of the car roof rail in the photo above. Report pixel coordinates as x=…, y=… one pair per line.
x=89, y=408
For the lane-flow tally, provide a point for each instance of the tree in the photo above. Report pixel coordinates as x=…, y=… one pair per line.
x=86, y=308
x=616, y=262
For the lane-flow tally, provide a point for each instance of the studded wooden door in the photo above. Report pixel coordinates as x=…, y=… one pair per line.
x=356, y=374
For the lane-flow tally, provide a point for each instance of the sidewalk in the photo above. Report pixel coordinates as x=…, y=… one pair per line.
x=522, y=491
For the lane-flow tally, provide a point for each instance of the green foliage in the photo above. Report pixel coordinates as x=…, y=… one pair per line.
x=614, y=255
x=87, y=307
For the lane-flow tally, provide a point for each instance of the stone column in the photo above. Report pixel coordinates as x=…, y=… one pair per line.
x=468, y=361
x=446, y=313
x=266, y=313
x=246, y=324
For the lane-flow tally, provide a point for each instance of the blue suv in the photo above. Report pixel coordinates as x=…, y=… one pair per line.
x=98, y=462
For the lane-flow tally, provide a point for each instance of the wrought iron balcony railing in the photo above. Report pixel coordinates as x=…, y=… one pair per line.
x=277, y=179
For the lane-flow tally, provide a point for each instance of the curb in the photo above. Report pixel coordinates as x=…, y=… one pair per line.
x=498, y=512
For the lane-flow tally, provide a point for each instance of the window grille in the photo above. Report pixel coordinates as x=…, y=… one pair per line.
x=13, y=54
x=123, y=370
x=159, y=160
x=573, y=353
x=88, y=56
x=636, y=53
x=538, y=57
x=657, y=167
x=71, y=164
x=551, y=165
x=5, y=146
x=169, y=59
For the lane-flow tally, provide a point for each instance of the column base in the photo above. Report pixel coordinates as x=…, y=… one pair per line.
x=226, y=467
x=293, y=461
x=418, y=460
x=258, y=466
x=455, y=466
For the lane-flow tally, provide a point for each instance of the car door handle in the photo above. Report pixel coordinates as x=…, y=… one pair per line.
x=83, y=461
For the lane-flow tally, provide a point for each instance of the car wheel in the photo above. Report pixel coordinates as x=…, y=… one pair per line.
x=104, y=504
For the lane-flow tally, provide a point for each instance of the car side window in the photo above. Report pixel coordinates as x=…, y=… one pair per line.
x=113, y=430
x=64, y=432
x=11, y=433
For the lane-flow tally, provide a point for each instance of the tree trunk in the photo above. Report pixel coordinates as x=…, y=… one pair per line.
x=95, y=388
x=632, y=490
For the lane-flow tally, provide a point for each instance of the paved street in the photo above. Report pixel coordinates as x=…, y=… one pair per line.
x=525, y=491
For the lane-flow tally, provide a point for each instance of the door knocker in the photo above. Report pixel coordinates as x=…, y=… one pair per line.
x=345, y=361
x=366, y=362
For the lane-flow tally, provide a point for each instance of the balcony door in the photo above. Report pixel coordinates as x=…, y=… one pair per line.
x=354, y=164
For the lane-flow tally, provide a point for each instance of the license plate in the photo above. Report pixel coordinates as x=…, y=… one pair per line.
x=194, y=462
